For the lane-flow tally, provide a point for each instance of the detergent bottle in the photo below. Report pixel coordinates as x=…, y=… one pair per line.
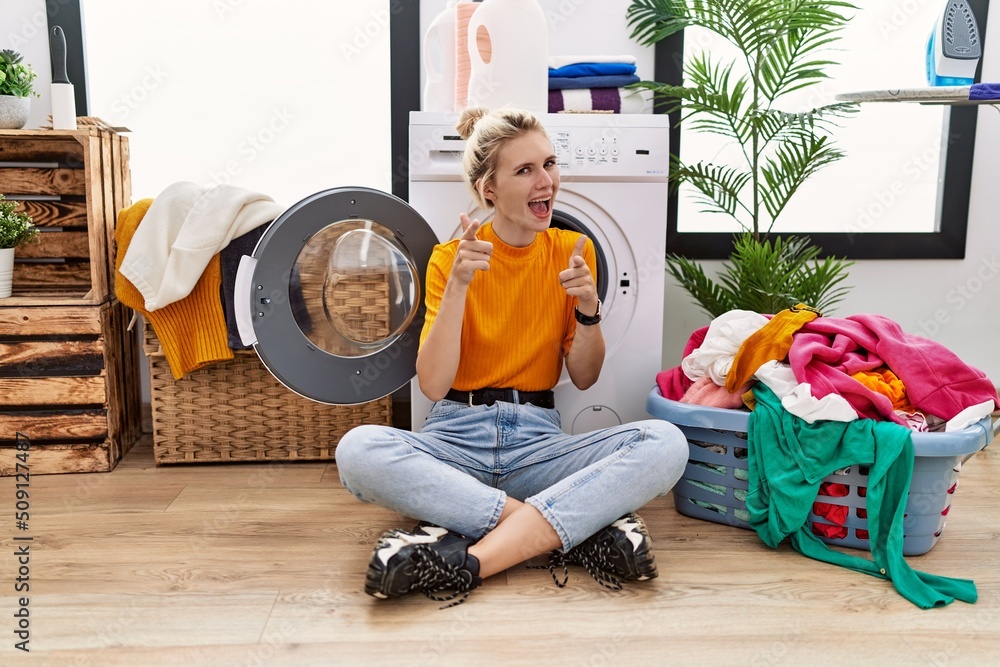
x=463, y=13
x=439, y=62
x=509, y=51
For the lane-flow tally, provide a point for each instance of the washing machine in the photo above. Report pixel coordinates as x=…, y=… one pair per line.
x=331, y=299
x=613, y=170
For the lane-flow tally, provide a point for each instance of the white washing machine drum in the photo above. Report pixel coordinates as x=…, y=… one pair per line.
x=331, y=298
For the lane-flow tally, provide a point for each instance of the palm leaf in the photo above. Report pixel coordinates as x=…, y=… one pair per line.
x=792, y=163
x=820, y=283
x=748, y=25
x=718, y=186
x=773, y=124
x=712, y=102
x=784, y=67
x=709, y=295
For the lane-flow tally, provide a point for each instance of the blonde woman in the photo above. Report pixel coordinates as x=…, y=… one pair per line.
x=491, y=476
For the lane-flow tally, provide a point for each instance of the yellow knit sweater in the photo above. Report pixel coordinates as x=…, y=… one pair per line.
x=519, y=321
x=192, y=331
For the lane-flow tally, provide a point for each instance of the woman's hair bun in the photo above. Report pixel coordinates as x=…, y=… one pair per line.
x=467, y=121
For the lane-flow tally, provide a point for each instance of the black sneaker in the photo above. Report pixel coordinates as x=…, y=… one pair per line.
x=430, y=560
x=620, y=552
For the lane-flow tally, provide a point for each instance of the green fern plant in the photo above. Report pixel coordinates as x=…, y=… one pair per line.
x=15, y=77
x=781, y=46
x=16, y=227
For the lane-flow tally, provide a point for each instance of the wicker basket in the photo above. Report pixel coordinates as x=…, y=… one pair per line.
x=237, y=411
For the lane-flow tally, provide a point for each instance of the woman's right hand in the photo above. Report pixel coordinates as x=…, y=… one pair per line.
x=472, y=254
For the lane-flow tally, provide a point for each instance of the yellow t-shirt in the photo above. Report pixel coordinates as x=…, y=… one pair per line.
x=519, y=321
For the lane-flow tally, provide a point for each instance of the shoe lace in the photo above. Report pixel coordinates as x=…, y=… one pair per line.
x=436, y=575
x=594, y=557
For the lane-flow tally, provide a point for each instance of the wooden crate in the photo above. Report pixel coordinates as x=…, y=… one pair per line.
x=69, y=381
x=72, y=183
x=237, y=411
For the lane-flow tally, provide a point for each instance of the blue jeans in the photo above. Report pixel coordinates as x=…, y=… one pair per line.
x=459, y=469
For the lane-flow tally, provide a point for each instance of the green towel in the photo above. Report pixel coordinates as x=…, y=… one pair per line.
x=789, y=458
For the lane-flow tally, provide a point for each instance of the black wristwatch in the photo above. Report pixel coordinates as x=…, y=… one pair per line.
x=589, y=320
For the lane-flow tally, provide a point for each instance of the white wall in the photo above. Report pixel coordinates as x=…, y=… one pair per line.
x=287, y=98
x=954, y=302
x=24, y=28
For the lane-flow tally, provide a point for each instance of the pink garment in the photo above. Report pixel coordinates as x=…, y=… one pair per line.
x=672, y=382
x=828, y=350
x=704, y=391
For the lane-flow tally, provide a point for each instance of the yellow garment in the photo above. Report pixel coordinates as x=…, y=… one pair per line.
x=883, y=381
x=192, y=331
x=519, y=321
x=769, y=343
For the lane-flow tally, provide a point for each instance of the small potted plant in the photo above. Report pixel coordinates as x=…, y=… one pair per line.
x=16, y=90
x=16, y=229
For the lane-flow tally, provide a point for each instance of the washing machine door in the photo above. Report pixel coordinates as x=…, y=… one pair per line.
x=331, y=297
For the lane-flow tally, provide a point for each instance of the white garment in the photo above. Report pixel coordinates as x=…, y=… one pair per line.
x=969, y=416
x=185, y=226
x=725, y=334
x=796, y=397
x=555, y=62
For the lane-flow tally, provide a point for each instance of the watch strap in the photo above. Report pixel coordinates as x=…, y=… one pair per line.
x=589, y=320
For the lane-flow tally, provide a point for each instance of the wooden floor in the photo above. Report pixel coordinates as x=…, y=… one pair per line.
x=264, y=565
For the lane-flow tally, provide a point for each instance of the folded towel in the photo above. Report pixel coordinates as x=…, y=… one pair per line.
x=592, y=69
x=561, y=61
x=618, y=81
x=984, y=91
x=616, y=100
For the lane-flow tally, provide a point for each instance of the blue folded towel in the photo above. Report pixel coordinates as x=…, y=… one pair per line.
x=616, y=81
x=592, y=69
x=979, y=91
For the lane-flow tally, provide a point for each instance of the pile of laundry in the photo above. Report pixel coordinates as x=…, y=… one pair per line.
x=595, y=84
x=828, y=368
x=176, y=265
x=826, y=394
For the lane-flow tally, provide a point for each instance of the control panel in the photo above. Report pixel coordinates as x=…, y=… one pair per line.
x=587, y=146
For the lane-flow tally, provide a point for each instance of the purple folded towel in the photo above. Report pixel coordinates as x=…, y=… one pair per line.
x=984, y=91
x=614, y=81
x=615, y=100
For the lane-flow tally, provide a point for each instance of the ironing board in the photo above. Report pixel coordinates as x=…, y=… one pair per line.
x=950, y=95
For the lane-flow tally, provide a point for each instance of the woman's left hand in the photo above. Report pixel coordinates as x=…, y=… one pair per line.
x=578, y=281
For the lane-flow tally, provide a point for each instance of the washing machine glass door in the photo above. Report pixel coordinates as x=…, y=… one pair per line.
x=331, y=298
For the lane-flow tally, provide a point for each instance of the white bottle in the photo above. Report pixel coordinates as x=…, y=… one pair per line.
x=439, y=62
x=509, y=50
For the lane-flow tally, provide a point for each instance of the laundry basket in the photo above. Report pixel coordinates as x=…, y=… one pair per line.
x=714, y=484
